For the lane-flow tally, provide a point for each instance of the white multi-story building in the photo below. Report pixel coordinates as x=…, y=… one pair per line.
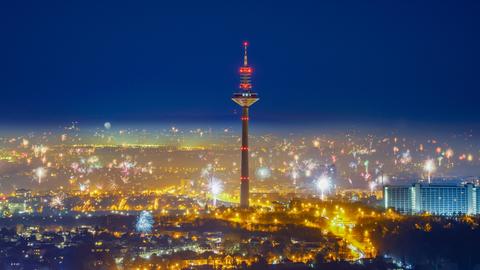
x=449, y=200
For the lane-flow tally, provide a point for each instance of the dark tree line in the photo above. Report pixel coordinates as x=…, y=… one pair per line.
x=428, y=242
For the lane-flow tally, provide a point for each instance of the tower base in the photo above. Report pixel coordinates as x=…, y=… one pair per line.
x=244, y=202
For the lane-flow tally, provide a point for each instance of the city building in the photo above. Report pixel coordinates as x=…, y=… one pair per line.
x=245, y=98
x=449, y=200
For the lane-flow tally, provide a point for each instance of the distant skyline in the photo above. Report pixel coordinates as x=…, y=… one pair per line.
x=316, y=62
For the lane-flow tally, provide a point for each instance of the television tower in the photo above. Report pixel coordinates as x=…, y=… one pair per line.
x=245, y=98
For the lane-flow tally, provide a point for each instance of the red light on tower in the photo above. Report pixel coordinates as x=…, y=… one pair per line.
x=245, y=86
x=247, y=70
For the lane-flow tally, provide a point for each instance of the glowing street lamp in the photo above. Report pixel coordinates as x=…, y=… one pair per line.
x=429, y=167
x=323, y=185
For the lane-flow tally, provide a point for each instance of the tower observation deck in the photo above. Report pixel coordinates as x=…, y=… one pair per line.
x=245, y=98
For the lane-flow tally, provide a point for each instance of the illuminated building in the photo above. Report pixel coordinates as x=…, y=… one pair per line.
x=398, y=198
x=23, y=193
x=245, y=98
x=449, y=200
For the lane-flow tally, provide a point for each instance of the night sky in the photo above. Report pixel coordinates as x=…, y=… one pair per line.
x=315, y=61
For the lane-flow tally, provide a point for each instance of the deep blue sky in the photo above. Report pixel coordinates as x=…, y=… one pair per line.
x=377, y=61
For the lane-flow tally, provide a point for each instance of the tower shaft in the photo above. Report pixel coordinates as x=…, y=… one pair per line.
x=245, y=98
x=245, y=181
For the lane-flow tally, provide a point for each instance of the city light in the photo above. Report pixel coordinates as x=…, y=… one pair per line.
x=118, y=148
